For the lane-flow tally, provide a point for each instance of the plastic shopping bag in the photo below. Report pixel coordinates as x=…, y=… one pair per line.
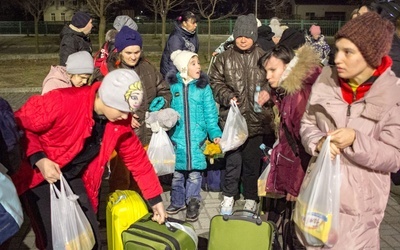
x=262, y=181
x=161, y=153
x=69, y=226
x=317, y=208
x=235, y=132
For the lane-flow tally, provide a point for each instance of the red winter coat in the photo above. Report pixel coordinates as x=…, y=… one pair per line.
x=58, y=124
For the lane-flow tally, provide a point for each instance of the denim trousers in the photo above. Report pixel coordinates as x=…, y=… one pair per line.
x=185, y=185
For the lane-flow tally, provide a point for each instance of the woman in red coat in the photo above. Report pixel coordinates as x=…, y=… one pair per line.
x=73, y=131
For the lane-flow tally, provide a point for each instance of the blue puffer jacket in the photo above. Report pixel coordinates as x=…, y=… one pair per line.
x=198, y=118
x=179, y=39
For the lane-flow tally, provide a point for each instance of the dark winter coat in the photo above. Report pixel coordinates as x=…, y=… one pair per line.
x=179, y=39
x=198, y=120
x=291, y=99
x=236, y=73
x=72, y=41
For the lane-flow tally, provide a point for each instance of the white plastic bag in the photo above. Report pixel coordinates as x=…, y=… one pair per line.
x=161, y=153
x=235, y=132
x=69, y=226
x=317, y=207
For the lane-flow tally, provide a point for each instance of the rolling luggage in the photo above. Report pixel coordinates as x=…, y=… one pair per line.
x=124, y=207
x=238, y=232
x=148, y=234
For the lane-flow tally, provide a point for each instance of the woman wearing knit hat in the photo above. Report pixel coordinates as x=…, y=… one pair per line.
x=357, y=103
x=76, y=74
x=183, y=37
x=129, y=55
x=318, y=42
x=73, y=131
x=193, y=99
x=75, y=36
x=235, y=76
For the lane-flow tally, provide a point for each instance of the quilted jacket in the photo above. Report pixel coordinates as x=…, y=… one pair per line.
x=198, y=119
x=236, y=73
x=58, y=124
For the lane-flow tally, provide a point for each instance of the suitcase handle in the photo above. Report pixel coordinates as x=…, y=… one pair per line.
x=255, y=218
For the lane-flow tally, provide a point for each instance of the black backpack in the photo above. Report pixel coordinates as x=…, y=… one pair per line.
x=10, y=135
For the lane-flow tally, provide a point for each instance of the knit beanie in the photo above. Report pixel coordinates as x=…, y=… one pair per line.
x=127, y=37
x=121, y=89
x=80, y=19
x=80, y=63
x=371, y=34
x=121, y=21
x=181, y=58
x=246, y=25
x=315, y=30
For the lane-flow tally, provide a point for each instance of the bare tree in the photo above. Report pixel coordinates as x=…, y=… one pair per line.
x=99, y=8
x=162, y=7
x=207, y=10
x=275, y=5
x=36, y=9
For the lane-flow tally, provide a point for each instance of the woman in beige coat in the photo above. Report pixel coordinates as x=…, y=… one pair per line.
x=357, y=103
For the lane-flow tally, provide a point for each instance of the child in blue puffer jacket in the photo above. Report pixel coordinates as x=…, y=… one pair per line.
x=193, y=99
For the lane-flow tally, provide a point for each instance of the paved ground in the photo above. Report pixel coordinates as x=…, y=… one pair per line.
x=390, y=227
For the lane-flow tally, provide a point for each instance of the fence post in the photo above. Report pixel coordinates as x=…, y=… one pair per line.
x=20, y=27
x=230, y=26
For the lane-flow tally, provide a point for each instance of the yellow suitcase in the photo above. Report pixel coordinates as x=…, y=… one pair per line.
x=124, y=207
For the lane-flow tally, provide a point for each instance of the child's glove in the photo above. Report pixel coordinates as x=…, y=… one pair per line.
x=157, y=104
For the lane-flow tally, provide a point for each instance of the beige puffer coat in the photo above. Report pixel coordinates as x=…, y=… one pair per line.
x=365, y=166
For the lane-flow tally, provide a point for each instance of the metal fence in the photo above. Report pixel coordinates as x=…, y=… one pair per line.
x=328, y=27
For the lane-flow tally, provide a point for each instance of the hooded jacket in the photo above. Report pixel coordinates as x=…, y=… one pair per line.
x=366, y=165
x=73, y=41
x=291, y=99
x=179, y=39
x=235, y=73
x=264, y=39
x=198, y=119
x=58, y=124
x=56, y=79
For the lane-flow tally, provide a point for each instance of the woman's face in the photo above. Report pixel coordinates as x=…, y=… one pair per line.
x=79, y=80
x=274, y=68
x=194, y=68
x=350, y=63
x=131, y=55
x=190, y=25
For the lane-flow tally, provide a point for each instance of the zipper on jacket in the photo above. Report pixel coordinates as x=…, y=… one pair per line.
x=187, y=122
x=284, y=157
x=348, y=110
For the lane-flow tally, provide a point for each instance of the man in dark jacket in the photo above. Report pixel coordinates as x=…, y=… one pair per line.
x=234, y=76
x=75, y=36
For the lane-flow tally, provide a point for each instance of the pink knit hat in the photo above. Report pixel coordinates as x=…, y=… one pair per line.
x=315, y=30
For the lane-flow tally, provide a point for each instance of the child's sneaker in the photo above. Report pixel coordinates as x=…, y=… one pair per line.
x=250, y=205
x=227, y=205
x=192, y=213
x=174, y=210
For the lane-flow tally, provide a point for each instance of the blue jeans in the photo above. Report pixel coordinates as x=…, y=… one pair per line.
x=185, y=185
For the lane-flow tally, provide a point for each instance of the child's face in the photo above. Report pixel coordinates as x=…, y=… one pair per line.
x=194, y=68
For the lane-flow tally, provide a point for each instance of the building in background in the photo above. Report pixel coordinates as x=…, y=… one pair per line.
x=322, y=10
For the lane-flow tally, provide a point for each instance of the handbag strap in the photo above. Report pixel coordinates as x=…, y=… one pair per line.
x=291, y=140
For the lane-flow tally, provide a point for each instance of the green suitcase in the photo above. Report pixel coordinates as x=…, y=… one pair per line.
x=146, y=234
x=239, y=232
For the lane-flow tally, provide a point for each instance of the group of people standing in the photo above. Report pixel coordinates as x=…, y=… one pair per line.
x=87, y=111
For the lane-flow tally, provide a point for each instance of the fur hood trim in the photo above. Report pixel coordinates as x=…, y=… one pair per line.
x=172, y=78
x=308, y=60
